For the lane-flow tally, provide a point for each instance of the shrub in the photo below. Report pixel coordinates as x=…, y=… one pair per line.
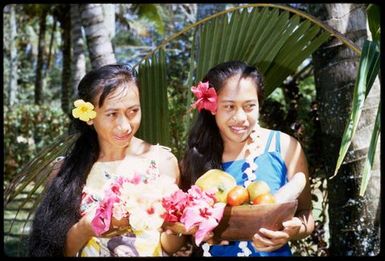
x=27, y=129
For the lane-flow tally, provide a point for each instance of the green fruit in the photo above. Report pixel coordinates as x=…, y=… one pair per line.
x=257, y=188
x=216, y=178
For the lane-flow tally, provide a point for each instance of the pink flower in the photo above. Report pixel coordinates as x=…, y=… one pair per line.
x=206, y=98
x=174, y=205
x=194, y=208
x=204, y=216
x=102, y=220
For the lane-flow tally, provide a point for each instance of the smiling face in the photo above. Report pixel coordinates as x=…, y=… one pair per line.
x=118, y=119
x=238, y=109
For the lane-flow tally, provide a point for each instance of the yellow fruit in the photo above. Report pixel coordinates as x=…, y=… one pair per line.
x=266, y=198
x=257, y=188
x=216, y=178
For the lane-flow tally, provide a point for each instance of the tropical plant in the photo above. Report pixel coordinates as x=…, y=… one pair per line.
x=368, y=70
x=275, y=38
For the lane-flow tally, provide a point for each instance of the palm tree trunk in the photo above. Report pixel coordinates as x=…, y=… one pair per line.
x=98, y=41
x=40, y=59
x=109, y=19
x=13, y=58
x=352, y=228
x=65, y=25
x=78, y=57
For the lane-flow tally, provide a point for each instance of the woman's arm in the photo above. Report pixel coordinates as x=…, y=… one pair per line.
x=168, y=165
x=78, y=235
x=297, y=166
x=302, y=224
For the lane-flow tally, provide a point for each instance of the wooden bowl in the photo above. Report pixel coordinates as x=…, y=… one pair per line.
x=242, y=222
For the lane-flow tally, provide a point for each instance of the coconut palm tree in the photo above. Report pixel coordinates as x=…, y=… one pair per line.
x=353, y=226
x=98, y=40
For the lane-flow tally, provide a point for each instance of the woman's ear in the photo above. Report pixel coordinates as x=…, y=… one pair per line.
x=90, y=122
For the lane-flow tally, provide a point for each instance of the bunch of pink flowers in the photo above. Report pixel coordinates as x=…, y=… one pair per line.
x=147, y=205
x=196, y=208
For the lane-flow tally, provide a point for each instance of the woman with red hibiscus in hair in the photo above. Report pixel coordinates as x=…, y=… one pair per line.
x=226, y=135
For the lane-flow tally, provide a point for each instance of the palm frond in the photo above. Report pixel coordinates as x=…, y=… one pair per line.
x=367, y=70
x=154, y=103
x=371, y=153
x=270, y=39
x=23, y=193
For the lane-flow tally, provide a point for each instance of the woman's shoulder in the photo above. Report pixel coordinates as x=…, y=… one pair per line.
x=159, y=151
x=287, y=142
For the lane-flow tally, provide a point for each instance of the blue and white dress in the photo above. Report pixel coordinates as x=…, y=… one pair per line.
x=272, y=170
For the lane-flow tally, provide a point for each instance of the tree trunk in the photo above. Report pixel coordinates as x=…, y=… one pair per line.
x=109, y=19
x=78, y=57
x=13, y=57
x=40, y=58
x=65, y=24
x=352, y=219
x=99, y=44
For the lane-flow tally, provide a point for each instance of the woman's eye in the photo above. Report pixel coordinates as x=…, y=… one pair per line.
x=111, y=114
x=249, y=107
x=229, y=107
x=134, y=111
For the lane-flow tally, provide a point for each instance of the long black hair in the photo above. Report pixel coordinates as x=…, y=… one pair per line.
x=205, y=145
x=59, y=209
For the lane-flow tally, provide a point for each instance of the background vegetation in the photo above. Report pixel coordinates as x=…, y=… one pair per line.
x=39, y=91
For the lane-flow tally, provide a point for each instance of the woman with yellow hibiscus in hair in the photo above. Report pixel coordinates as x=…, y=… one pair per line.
x=76, y=216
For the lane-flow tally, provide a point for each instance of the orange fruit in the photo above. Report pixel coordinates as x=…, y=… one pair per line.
x=237, y=196
x=266, y=198
x=257, y=188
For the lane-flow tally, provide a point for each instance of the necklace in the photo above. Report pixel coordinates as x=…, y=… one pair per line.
x=251, y=153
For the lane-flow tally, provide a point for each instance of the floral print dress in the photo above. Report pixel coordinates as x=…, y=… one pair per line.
x=131, y=242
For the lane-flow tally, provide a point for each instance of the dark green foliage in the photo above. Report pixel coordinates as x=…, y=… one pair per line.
x=27, y=129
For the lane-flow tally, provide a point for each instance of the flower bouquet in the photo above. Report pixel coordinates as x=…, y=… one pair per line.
x=149, y=204
x=136, y=199
x=196, y=211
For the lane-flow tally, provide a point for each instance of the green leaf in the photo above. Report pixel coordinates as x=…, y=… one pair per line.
x=152, y=75
x=151, y=12
x=374, y=21
x=371, y=153
x=265, y=37
x=367, y=71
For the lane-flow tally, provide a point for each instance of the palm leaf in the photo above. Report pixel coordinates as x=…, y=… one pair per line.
x=154, y=103
x=367, y=70
x=372, y=150
x=275, y=38
x=23, y=193
x=374, y=21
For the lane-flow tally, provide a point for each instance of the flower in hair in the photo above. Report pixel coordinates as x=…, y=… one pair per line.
x=206, y=98
x=83, y=110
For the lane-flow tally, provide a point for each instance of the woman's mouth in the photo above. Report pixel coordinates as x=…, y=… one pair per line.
x=122, y=137
x=238, y=129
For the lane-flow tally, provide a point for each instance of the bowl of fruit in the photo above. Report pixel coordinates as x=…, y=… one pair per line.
x=248, y=208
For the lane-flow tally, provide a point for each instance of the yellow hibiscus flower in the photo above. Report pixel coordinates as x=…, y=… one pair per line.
x=83, y=110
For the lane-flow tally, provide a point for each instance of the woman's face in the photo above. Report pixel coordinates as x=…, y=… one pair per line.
x=118, y=120
x=238, y=109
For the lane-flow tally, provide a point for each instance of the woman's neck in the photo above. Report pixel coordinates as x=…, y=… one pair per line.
x=109, y=153
x=233, y=151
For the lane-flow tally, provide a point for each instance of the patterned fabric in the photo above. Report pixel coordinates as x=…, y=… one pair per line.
x=129, y=243
x=271, y=169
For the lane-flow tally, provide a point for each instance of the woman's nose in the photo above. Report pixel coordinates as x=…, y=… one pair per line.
x=240, y=115
x=124, y=125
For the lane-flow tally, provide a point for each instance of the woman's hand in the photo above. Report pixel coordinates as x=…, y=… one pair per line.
x=117, y=227
x=177, y=228
x=212, y=240
x=268, y=240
